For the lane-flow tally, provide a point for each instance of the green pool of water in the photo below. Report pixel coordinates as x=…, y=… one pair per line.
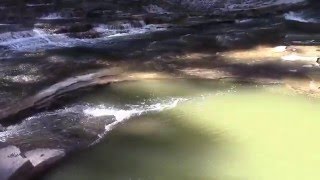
x=243, y=134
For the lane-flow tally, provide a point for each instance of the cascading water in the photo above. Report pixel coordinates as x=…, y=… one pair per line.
x=39, y=39
x=90, y=122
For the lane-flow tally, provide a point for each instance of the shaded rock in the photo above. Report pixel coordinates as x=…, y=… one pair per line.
x=78, y=27
x=306, y=27
x=85, y=35
x=42, y=159
x=12, y=165
x=98, y=13
x=302, y=39
x=161, y=19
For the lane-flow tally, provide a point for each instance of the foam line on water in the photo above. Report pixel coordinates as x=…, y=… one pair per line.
x=41, y=4
x=124, y=114
x=294, y=16
x=52, y=16
x=42, y=122
x=55, y=16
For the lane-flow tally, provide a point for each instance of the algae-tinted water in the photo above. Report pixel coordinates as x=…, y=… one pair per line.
x=238, y=134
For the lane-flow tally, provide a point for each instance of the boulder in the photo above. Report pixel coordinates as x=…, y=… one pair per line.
x=12, y=165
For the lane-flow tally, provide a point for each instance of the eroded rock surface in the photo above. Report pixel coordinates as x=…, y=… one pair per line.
x=42, y=159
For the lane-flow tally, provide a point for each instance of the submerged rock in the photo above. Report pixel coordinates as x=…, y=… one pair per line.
x=42, y=159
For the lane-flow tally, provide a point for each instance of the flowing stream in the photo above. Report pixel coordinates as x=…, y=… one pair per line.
x=209, y=89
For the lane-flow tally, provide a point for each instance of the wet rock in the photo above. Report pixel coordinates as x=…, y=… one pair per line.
x=162, y=19
x=75, y=28
x=306, y=27
x=96, y=125
x=12, y=165
x=99, y=13
x=85, y=35
x=302, y=39
x=172, y=45
x=42, y=159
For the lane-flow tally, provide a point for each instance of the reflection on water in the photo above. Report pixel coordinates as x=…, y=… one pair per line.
x=247, y=134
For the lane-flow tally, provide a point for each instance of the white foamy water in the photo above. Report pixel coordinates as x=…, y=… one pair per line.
x=25, y=40
x=40, y=4
x=124, y=114
x=42, y=123
x=52, y=16
x=55, y=16
x=38, y=39
x=293, y=16
x=127, y=29
x=23, y=78
x=239, y=21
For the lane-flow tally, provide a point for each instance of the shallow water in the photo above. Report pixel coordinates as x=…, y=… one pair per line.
x=88, y=118
x=235, y=133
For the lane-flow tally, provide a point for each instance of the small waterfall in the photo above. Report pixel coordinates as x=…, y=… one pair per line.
x=41, y=39
x=123, y=28
x=32, y=40
x=52, y=16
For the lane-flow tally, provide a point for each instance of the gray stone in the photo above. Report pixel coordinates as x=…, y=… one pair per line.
x=12, y=165
x=42, y=159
